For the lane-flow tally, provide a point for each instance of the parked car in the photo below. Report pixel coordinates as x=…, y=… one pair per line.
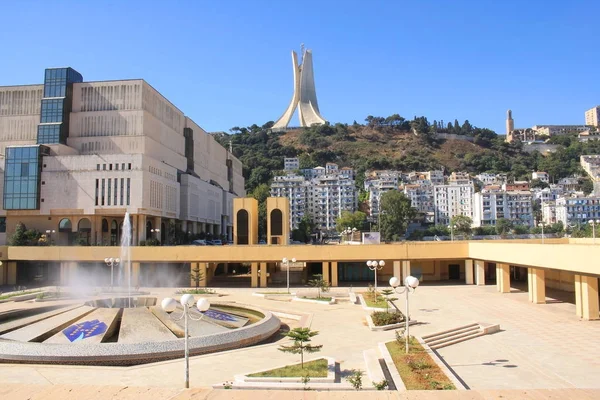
x=199, y=242
x=262, y=241
x=216, y=242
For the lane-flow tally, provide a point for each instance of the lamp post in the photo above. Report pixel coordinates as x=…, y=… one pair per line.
x=375, y=266
x=111, y=263
x=187, y=300
x=287, y=264
x=541, y=225
x=593, y=224
x=409, y=283
x=452, y=227
x=49, y=232
x=157, y=231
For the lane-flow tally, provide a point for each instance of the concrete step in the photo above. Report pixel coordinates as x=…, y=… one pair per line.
x=463, y=339
x=448, y=331
x=454, y=337
x=436, y=338
x=373, y=365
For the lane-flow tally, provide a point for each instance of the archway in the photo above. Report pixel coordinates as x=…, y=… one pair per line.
x=114, y=233
x=242, y=227
x=84, y=230
x=276, y=222
x=65, y=232
x=65, y=225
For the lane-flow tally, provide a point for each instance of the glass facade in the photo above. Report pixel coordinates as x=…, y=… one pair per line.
x=56, y=105
x=22, y=177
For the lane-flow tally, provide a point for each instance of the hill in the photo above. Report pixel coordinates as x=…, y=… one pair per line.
x=404, y=145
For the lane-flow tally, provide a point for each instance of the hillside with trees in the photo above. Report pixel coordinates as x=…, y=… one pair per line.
x=396, y=143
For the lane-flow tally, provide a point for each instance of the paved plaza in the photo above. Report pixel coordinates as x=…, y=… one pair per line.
x=539, y=346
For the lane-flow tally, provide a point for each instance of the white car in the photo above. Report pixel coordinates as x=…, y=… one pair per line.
x=199, y=242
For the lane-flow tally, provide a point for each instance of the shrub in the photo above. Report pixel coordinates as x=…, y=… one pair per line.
x=387, y=318
x=356, y=379
x=380, y=385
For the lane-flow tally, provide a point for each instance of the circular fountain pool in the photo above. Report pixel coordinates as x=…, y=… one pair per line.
x=125, y=331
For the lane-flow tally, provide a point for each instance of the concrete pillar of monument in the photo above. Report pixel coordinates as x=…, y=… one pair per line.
x=398, y=269
x=536, y=285
x=263, y=275
x=503, y=278
x=326, y=271
x=586, y=297
x=405, y=270
x=469, y=274
x=480, y=272
x=11, y=273
x=135, y=274
x=334, y=274
x=254, y=275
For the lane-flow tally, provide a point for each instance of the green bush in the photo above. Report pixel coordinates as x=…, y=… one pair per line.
x=381, y=318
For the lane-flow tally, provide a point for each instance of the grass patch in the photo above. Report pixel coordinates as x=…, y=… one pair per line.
x=8, y=296
x=325, y=299
x=314, y=369
x=417, y=369
x=196, y=291
x=380, y=302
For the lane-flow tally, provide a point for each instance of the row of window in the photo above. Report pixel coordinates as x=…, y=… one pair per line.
x=112, y=191
x=110, y=166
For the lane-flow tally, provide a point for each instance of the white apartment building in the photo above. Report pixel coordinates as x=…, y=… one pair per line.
x=295, y=188
x=542, y=176
x=377, y=185
x=487, y=178
x=549, y=212
x=459, y=178
x=577, y=210
x=547, y=194
x=321, y=192
x=489, y=206
x=451, y=200
x=79, y=155
x=291, y=164
x=592, y=117
x=426, y=177
x=421, y=198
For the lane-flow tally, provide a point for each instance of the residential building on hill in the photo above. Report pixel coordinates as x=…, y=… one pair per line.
x=577, y=210
x=490, y=206
x=541, y=176
x=79, y=155
x=592, y=117
x=452, y=200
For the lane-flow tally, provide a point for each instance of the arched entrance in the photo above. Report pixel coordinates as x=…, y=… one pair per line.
x=65, y=232
x=242, y=227
x=104, y=231
x=276, y=225
x=114, y=233
x=84, y=231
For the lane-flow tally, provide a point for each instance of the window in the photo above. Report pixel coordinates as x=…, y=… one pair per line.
x=103, y=167
x=97, y=167
x=128, y=188
x=21, y=178
x=122, y=184
x=97, y=183
x=123, y=166
x=129, y=166
x=110, y=167
x=115, y=187
x=109, y=192
x=102, y=203
x=2, y=224
x=117, y=166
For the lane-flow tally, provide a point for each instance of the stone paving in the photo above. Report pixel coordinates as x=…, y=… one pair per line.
x=540, y=346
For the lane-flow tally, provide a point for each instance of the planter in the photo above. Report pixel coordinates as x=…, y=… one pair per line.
x=23, y=297
x=387, y=358
x=330, y=378
x=373, y=327
x=265, y=295
x=314, y=300
x=436, y=358
x=363, y=303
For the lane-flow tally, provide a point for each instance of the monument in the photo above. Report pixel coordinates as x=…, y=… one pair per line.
x=305, y=94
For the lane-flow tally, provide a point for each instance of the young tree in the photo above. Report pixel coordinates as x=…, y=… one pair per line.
x=503, y=226
x=387, y=293
x=462, y=223
x=18, y=238
x=196, y=275
x=351, y=220
x=396, y=211
x=301, y=338
x=260, y=193
x=319, y=283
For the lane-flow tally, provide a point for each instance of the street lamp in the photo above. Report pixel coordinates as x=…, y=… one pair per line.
x=287, y=264
x=593, y=224
x=187, y=300
x=49, y=232
x=541, y=225
x=157, y=231
x=111, y=263
x=409, y=283
x=375, y=266
x=452, y=227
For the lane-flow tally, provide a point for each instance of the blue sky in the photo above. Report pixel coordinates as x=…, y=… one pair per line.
x=227, y=63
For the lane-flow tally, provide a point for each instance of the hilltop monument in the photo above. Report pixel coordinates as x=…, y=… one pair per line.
x=305, y=95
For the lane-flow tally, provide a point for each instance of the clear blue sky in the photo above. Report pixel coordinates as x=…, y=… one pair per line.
x=227, y=63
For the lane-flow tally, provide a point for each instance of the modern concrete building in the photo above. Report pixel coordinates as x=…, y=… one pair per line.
x=376, y=184
x=78, y=155
x=577, y=210
x=549, y=212
x=592, y=117
x=421, y=198
x=295, y=188
x=452, y=200
x=305, y=95
x=490, y=206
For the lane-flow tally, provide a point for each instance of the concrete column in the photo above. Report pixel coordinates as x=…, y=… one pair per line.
x=397, y=269
x=334, y=273
x=263, y=274
x=135, y=274
x=3, y=269
x=405, y=270
x=469, y=275
x=503, y=278
x=480, y=272
x=96, y=230
x=156, y=224
x=536, y=284
x=141, y=228
x=254, y=275
x=135, y=229
x=184, y=226
x=586, y=297
x=326, y=271
x=11, y=273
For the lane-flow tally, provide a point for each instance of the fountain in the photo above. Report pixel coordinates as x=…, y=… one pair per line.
x=126, y=253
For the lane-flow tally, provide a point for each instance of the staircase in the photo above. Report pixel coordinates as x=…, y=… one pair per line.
x=460, y=334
